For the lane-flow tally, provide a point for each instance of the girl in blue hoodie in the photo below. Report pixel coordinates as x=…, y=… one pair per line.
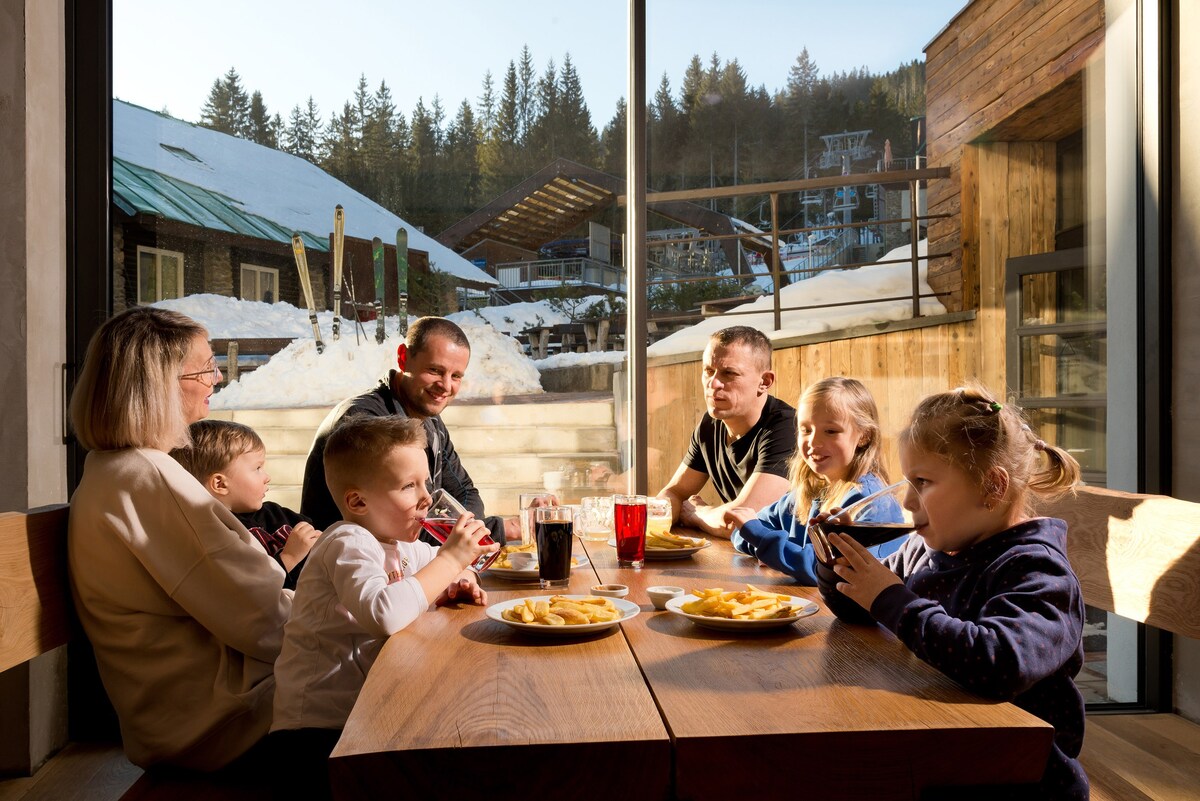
x=838, y=460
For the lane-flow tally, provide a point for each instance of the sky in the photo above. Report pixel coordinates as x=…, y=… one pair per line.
x=167, y=53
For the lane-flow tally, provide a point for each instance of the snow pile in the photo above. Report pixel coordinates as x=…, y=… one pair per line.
x=299, y=376
x=574, y=359
x=837, y=286
x=516, y=317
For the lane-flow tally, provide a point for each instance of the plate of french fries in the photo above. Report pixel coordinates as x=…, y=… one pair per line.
x=562, y=615
x=670, y=546
x=749, y=608
x=502, y=568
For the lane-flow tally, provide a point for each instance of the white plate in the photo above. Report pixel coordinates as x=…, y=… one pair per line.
x=509, y=574
x=628, y=611
x=659, y=554
x=802, y=608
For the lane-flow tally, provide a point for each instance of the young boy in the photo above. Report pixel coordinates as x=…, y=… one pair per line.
x=367, y=578
x=228, y=458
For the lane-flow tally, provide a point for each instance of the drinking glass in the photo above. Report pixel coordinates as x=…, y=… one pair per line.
x=863, y=521
x=629, y=519
x=658, y=516
x=594, y=523
x=526, y=503
x=554, y=533
x=444, y=511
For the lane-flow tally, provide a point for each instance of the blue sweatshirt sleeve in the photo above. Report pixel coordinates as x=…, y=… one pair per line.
x=777, y=539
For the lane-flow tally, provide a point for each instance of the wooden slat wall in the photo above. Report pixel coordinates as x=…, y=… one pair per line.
x=899, y=368
x=34, y=606
x=993, y=61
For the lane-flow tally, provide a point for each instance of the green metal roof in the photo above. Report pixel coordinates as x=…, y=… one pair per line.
x=137, y=190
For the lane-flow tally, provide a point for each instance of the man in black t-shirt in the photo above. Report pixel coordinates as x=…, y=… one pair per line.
x=745, y=441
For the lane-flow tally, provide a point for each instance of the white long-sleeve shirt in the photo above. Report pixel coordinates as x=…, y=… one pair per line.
x=345, y=610
x=183, y=607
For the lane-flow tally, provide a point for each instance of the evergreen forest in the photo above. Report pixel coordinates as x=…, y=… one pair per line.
x=436, y=165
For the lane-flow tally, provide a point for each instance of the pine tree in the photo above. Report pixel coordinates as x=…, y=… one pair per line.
x=260, y=125
x=227, y=108
x=526, y=96
x=577, y=140
x=612, y=141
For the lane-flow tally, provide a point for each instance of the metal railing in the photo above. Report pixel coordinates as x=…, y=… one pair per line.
x=895, y=178
x=548, y=273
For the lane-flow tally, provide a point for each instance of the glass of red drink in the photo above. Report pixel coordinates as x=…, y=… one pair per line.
x=629, y=525
x=443, y=514
x=878, y=518
x=555, y=531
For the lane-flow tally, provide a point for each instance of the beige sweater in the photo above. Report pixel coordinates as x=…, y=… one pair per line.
x=184, y=609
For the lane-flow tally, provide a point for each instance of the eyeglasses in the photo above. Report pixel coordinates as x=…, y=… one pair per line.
x=207, y=377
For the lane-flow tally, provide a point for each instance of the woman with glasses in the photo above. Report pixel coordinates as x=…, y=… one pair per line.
x=184, y=609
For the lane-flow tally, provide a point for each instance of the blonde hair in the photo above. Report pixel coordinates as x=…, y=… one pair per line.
x=127, y=394
x=848, y=399
x=360, y=442
x=214, y=446
x=975, y=433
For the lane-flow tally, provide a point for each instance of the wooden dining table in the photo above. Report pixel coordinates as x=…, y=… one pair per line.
x=659, y=708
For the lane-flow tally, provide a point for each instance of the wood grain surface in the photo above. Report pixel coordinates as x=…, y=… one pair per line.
x=34, y=596
x=1136, y=555
x=848, y=708
x=457, y=699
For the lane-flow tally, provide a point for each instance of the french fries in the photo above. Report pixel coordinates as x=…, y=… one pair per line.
x=559, y=610
x=669, y=541
x=502, y=560
x=749, y=604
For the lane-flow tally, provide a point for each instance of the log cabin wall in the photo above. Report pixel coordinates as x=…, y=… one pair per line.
x=1002, y=70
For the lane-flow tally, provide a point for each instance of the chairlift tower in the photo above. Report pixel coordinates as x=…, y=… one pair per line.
x=840, y=150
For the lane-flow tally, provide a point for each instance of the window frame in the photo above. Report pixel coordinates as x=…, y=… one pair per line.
x=158, y=254
x=259, y=270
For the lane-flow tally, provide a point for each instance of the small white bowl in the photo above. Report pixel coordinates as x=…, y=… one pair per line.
x=610, y=590
x=522, y=560
x=660, y=595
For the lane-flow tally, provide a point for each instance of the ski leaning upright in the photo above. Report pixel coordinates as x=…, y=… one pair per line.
x=306, y=285
x=402, y=277
x=377, y=256
x=339, y=240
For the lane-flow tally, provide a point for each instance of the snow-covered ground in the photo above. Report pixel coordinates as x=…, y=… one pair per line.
x=838, y=286
x=299, y=376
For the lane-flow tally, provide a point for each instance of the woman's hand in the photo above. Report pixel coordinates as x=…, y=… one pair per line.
x=862, y=576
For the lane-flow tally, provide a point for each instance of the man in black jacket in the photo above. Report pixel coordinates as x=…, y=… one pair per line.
x=431, y=366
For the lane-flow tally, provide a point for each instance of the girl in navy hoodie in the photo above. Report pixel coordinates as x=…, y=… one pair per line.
x=984, y=592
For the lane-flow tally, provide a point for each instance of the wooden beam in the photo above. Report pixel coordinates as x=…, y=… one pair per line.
x=792, y=187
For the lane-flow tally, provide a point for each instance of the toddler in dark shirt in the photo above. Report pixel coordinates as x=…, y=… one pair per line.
x=229, y=460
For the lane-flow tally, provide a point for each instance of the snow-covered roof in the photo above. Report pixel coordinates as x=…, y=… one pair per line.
x=277, y=186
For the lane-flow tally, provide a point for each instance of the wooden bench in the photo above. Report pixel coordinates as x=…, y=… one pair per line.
x=1139, y=557
x=36, y=616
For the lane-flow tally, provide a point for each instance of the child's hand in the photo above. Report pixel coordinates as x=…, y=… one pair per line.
x=862, y=576
x=298, y=544
x=464, y=589
x=462, y=545
x=739, y=516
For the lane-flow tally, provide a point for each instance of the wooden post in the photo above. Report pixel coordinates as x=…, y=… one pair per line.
x=602, y=334
x=231, y=364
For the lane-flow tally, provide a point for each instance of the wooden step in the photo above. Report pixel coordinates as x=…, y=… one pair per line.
x=1142, y=757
